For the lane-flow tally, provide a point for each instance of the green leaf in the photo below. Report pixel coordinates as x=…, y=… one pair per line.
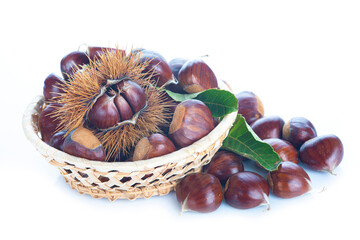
x=220, y=102
x=243, y=141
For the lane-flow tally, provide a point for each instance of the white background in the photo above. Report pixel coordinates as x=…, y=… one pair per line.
x=300, y=57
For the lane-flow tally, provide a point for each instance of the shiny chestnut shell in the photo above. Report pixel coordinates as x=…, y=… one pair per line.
x=196, y=76
x=200, y=192
x=268, y=127
x=246, y=190
x=224, y=164
x=323, y=153
x=48, y=123
x=286, y=151
x=52, y=87
x=71, y=62
x=289, y=180
x=298, y=130
x=192, y=121
x=249, y=106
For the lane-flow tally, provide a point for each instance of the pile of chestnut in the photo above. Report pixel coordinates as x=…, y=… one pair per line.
x=224, y=177
x=191, y=119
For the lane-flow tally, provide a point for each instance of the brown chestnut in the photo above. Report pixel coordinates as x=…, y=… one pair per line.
x=71, y=62
x=289, y=180
x=94, y=52
x=120, y=102
x=250, y=106
x=176, y=64
x=192, y=120
x=268, y=127
x=322, y=153
x=298, y=130
x=48, y=123
x=52, y=86
x=200, y=192
x=286, y=151
x=246, y=190
x=153, y=146
x=157, y=66
x=57, y=140
x=81, y=142
x=196, y=76
x=224, y=164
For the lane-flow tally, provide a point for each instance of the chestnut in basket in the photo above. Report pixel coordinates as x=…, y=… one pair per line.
x=94, y=52
x=72, y=62
x=81, y=142
x=116, y=106
x=57, y=140
x=268, y=127
x=298, y=130
x=246, y=190
x=52, y=86
x=224, y=164
x=192, y=120
x=175, y=65
x=250, y=106
x=196, y=76
x=289, y=180
x=48, y=124
x=157, y=66
x=200, y=192
x=322, y=153
x=154, y=146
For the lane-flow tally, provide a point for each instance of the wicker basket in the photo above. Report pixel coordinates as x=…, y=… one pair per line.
x=126, y=180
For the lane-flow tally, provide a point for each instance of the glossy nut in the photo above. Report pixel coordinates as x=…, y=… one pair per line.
x=157, y=66
x=52, y=87
x=81, y=142
x=200, y=192
x=154, y=146
x=268, y=127
x=289, y=180
x=48, y=124
x=72, y=62
x=196, y=76
x=250, y=106
x=224, y=164
x=116, y=106
x=192, y=120
x=246, y=190
x=286, y=151
x=57, y=140
x=298, y=130
x=176, y=64
x=95, y=52
x=322, y=153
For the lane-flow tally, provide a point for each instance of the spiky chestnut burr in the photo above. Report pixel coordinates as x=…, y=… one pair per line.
x=105, y=76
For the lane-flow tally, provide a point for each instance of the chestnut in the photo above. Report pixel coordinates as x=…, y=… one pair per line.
x=157, y=67
x=192, y=120
x=289, y=180
x=94, y=52
x=286, y=151
x=224, y=164
x=176, y=64
x=52, y=86
x=200, y=192
x=196, y=76
x=250, y=106
x=153, y=146
x=268, y=127
x=72, y=62
x=48, y=123
x=116, y=106
x=81, y=142
x=298, y=130
x=323, y=153
x=246, y=190
x=57, y=140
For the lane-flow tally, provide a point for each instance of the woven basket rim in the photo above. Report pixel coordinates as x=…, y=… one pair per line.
x=186, y=153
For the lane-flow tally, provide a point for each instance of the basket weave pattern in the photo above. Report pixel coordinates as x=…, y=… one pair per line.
x=126, y=180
